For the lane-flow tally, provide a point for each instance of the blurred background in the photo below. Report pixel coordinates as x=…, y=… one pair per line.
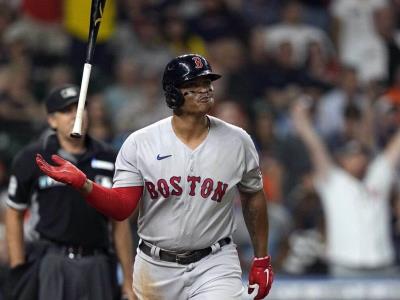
x=343, y=54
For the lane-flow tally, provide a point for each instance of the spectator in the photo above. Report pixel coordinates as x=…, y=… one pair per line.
x=147, y=109
x=316, y=13
x=233, y=60
x=279, y=218
x=306, y=242
x=387, y=121
x=140, y=38
x=258, y=65
x=355, y=191
x=59, y=75
x=232, y=113
x=277, y=100
x=296, y=33
x=125, y=90
x=131, y=96
x=387, y=115
x=385, y=22
x=218, y=20
x=100, y=125
x=320, y=65
x=17, y=103
x=265, y=132
x=273, y=136
x=6, y=17
x=356, y=38
x=356, y=126
x=16, y=51
x=40, y=28
x=330, y=107
x=261, y=12
x=178, y=37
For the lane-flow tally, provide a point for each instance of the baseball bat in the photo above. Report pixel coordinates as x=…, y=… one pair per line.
x=96, y=13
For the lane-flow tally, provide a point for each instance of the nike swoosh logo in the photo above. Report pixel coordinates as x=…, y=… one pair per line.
x=159, y=157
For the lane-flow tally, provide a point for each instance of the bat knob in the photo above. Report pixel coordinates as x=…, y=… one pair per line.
x=75, y=135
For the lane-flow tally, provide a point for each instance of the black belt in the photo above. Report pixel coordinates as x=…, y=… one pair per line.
x=74, y=251
x=183, y=258
x=79, y=251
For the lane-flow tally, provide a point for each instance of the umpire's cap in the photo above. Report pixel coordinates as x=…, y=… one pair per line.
x=61, y=97
x=180, y=70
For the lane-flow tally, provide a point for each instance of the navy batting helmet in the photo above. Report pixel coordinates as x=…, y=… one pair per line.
x=180, y=70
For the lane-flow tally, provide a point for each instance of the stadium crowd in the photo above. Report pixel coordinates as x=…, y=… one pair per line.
x=340, y=58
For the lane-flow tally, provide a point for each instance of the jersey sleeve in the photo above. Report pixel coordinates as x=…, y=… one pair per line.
x=126, y=169
x=251, y=179
x=21, y=181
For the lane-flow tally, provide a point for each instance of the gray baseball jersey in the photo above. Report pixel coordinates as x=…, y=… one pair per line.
x=188, y=194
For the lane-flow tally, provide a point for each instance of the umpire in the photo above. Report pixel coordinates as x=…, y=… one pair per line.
x=71, y=243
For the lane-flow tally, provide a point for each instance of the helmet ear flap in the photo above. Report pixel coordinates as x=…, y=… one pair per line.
x=173, y=97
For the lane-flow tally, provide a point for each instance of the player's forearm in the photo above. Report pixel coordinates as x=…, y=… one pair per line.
x=255, y=215
x=123, y=247
x=15, y=236
x=116, y=203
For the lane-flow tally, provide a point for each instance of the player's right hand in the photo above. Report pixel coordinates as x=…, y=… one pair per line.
x=64, y=171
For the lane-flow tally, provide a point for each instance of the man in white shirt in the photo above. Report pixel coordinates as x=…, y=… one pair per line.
x=358, y=43
x=354, y=191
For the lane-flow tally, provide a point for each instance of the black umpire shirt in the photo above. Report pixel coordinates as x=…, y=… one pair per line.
x=58, y=212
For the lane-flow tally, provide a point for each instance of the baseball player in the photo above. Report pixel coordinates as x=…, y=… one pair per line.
x=186, y=171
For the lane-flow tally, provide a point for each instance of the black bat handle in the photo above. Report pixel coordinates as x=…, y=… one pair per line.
x=96, y=14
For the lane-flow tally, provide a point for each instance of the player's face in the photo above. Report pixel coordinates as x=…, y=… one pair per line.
x=199, y=96
x=63, y=120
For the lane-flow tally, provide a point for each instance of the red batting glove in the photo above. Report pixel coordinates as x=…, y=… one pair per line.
x=64, y=172
x=261, y=273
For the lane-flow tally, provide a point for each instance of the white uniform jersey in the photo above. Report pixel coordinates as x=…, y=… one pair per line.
x=188, y=194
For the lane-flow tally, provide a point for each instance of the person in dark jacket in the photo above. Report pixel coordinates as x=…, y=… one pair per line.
x=74, y=245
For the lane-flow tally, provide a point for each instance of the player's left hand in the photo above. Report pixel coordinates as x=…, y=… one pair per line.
x=261, y=273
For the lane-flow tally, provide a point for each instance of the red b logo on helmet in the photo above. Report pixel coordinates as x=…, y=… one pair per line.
x=198, y=63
